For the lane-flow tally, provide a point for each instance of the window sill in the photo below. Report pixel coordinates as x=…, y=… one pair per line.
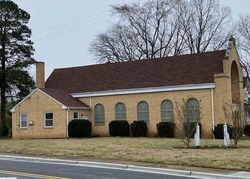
x=23, y=128
x=48, y=127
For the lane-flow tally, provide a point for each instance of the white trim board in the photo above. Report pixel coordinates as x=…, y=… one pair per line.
x=75, y=108
x=145, y=90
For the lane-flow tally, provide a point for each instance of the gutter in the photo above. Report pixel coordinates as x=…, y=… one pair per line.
x=78, y=107
x=144, y=90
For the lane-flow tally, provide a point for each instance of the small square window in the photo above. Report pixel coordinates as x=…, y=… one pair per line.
x=76, y=115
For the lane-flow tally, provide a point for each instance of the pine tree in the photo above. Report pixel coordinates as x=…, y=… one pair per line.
x=16, y=50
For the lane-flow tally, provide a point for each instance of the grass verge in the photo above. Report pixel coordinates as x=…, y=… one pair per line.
x=147, y=150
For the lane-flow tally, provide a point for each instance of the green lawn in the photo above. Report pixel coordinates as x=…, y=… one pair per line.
x=148, y=150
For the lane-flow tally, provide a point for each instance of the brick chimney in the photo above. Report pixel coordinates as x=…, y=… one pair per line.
x=40, y=79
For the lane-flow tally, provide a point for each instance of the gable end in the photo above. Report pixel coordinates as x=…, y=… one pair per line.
x=37, y=89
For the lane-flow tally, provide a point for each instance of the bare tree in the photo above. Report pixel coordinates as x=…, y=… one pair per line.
x=235, y=119
x=206, y=25
x=160, y=28
x=243, y=33
x=144, y=31
x=185, y=123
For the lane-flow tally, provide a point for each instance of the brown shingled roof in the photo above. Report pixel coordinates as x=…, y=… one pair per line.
x=63, y=97
x=167, y=71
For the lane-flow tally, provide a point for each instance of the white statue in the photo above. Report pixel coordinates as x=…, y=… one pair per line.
x=197, y=136
x=226, y=136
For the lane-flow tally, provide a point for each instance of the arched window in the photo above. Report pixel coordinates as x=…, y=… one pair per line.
x=193, y=110
x=120, y=111
x=99, y=114
x=167, y=111
x=143, y=111
x=235, y=83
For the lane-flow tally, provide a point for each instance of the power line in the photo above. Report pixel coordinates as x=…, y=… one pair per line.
x=69, y=23
x=67, y=31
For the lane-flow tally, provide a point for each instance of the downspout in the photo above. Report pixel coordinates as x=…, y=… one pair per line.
x=212, y=107
x=67, y=121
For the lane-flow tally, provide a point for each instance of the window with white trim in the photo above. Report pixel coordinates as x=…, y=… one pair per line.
x=48, y=119
x=76, y=115
x=24, y=120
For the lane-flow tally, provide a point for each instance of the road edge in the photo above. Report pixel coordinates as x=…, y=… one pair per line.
x=175, y=172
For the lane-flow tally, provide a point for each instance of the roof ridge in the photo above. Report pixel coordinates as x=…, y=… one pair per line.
x=142, y=60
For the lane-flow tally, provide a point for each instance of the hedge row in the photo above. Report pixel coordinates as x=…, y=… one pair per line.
x=79, y=128
x=219, y=131
x=83, y=128
x=122, y=128
x=247, y=130
x=139, y=129
x=165, y=129
x=119, y=128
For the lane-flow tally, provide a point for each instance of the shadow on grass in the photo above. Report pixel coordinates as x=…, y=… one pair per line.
x=213, y=147
x=5, y=137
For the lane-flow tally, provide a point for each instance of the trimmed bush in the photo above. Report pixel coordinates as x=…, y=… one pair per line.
x=190, y=128
x=165, y=129
x=139, y=129
x=119, y=128
x=80, y=128
x=247, y=130
x=219, y=131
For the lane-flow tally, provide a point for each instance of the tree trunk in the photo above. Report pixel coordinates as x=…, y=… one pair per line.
x=4, y=130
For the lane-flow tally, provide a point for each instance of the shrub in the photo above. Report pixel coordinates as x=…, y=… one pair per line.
x=119, y=128
x=139, y=128
x=79, y=128
x=236, y=132
x=165, y=129
x=247, y=130
x=190, y=128
x=219, y=131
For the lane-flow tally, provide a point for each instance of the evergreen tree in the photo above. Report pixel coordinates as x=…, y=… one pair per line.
x=16, y=50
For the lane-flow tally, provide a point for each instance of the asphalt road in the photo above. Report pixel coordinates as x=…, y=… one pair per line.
x=27, y=169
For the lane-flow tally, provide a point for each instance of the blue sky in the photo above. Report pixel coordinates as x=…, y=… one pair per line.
x=63, y=29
